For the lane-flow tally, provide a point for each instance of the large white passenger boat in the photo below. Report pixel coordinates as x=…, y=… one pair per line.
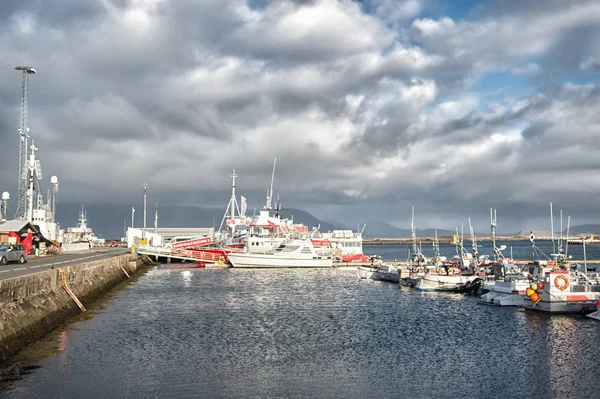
x=292, y=253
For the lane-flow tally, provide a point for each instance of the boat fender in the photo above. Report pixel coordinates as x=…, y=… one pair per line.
x=563, y=285
x=221, y=260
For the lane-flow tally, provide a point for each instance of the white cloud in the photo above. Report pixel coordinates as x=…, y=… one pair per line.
x=531, y=69
x=359, y=102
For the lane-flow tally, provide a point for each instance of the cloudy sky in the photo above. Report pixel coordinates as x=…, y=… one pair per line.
x=369, y=106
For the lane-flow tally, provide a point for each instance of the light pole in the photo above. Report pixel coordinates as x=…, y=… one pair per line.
x=144, y=230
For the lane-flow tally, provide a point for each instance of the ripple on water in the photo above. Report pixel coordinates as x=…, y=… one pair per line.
x=310, y=333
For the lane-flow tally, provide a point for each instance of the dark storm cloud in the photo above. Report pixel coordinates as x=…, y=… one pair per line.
x=361, y=105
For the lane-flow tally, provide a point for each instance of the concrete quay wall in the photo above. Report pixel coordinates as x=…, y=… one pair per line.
x=31, y=306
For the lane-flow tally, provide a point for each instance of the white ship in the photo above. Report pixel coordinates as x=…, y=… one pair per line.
x=292, y=253
x=42, y=214
x=81, y=233
x=346, y=244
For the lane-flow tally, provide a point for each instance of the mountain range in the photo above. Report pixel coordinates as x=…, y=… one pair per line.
x=110, y=220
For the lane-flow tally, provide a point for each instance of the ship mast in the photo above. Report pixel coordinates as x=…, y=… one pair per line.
x=270, y=192
x=233, y=202
x=33, y=172
x=493, y=223
x=474, y=242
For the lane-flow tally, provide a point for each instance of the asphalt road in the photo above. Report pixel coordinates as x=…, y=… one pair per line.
x=41, y=263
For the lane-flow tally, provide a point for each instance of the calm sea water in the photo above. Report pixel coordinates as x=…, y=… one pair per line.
x=521, y=250
x=235, y=333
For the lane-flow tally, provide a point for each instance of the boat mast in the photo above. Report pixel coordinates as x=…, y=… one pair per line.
x=436, y=249
x=567, y=238
x=493, y=223
x=560, y=244
x=474, y=242
x=552, y=229
x=270, y=192
x=412, y=232
x=233, y=201
x=232, y=204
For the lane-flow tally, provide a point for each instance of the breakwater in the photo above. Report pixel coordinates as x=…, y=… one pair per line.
x=442, y=240
x=33, y=305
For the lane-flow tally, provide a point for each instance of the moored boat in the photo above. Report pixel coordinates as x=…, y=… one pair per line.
x=381, y=272
x=292, y=253
x=562, y=292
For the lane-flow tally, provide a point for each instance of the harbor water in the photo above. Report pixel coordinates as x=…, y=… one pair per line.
x=521, y=250
x=289, y=333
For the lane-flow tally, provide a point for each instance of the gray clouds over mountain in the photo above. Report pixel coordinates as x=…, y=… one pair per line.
x=370, y=106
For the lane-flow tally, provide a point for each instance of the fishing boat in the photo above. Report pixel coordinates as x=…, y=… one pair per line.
x=509, y=283
x=292, y=253
x=379, y=271
x=418, y=265
x=563, y=289
x=457, y=275
x=562, y=292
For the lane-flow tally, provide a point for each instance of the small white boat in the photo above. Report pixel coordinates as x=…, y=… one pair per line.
x=448, y=283
x=382, y=272
x=505, y=293
x=293, y=253
x=595, y=315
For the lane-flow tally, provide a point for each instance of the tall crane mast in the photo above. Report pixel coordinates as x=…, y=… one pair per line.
x=24, y=135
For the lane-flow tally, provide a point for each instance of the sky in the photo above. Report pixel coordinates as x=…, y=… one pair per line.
x=370, y=107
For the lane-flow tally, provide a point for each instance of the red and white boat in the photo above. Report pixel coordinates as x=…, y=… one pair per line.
x=563, y=292
x=346, y=244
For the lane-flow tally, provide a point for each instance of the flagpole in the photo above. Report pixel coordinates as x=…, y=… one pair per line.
x=132, y=213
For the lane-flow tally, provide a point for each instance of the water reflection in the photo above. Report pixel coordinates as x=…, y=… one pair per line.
x=311, y=333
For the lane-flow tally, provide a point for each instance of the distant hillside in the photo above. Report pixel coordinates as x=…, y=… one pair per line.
x=585, y=229
x=309, y=220
x=376, y=229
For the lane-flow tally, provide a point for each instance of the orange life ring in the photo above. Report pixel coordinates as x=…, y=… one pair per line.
x=561, y=286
